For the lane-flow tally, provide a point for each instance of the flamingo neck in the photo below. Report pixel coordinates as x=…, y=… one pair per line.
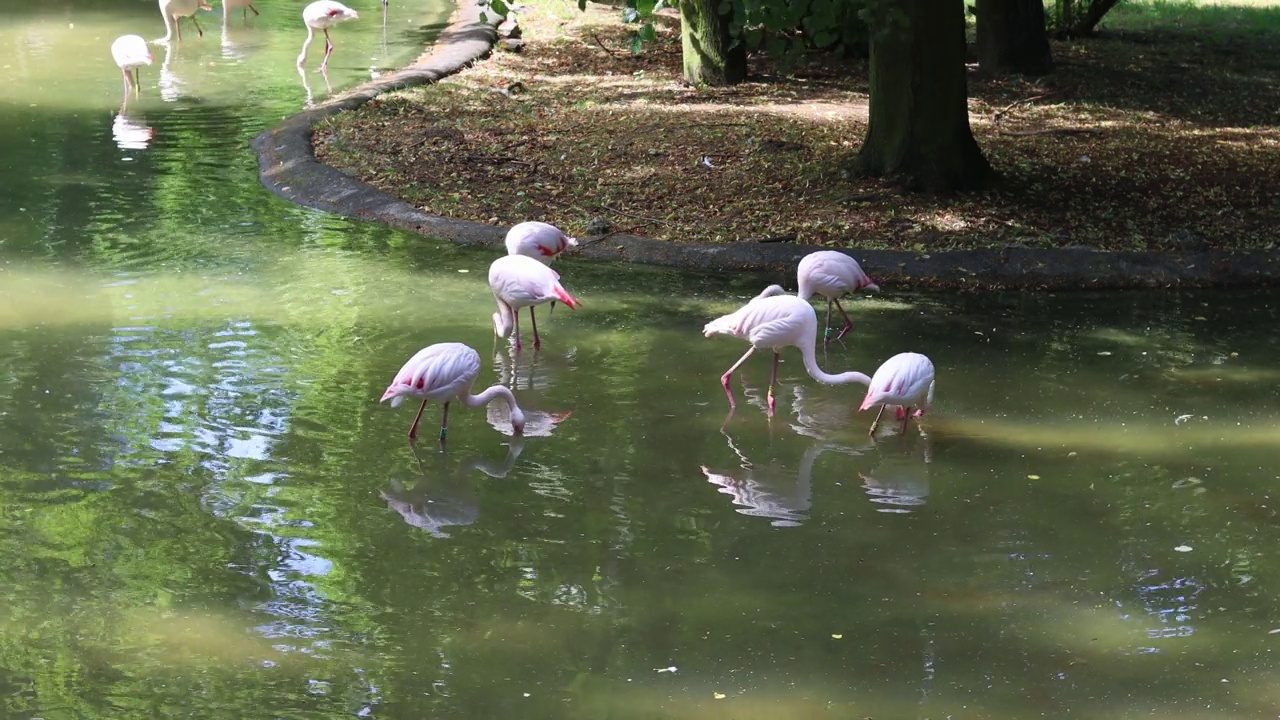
x=302, y=56
x=815, y=372
x=486, y=397
x=503, y=320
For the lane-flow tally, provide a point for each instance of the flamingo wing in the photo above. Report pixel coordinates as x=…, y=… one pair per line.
x=436, y=372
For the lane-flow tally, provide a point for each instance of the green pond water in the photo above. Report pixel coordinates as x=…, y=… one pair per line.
x=204, y=512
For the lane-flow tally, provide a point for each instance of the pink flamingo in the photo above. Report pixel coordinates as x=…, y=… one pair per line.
x=774, y=321
x=445, y=372
x=175, y=10
x=905, y=380
x=541, y=241
x=130, y=52
x=323, y=15
x=831, y=274
x=519, y=281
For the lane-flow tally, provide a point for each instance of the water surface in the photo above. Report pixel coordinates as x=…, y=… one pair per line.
x=204, y=511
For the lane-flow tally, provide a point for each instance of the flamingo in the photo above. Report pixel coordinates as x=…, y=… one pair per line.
x=905, y=380
x=831, y=274
x=519, y=281
x=541, y=241
x=772, y=320
x=322, y=15
x=244, y=5
x=130, y=53
x=445, y=372
x=173, y=10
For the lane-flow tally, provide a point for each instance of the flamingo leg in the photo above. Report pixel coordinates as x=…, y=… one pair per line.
x=177, y=25
x=137, y=81
x=848, y=324
x=254, y=9
x=826, y=334
x=537, y=342
x=128, y=83
x=413, y=429
x=724, y=379
x=328, y=49
x=199, y=32
x=876, y=423
x=515, y=326
x=773, y=380
x=444, y=422
x=906, y=418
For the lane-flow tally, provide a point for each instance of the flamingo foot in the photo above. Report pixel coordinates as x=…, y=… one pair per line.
x=773, y=401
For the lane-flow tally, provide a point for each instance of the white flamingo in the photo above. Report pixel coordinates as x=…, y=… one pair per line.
x=773, y=321
x=905, y=380
x=444, y=372
x=174, y=10
x=323, y=15
x=519, y=281
x=541, y=241
x=831, y=274
x=130, y=53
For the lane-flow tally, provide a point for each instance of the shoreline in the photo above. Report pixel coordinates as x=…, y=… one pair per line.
x=287, y=166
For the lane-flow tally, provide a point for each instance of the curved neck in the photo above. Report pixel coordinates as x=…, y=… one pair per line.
x=815, y=372
x=486, y=397
x=302, y=56
x=168, y=26
x=505, y=319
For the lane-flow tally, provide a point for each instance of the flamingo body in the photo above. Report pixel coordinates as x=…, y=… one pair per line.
x=130, y=53
x=906, y=380
x=773, y=321
x=519, y=281
x=174, y=10
x=322, y=15
x=831, y=274
x=445, y=372
x=541, y=241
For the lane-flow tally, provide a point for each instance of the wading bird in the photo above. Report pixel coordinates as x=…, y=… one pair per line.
x=174, y=10
x=772, y=321
x=244, y=5
x=444, y=372
x=831, y=274
x=541, y=241
x=905, y=380
x=323, y=15
x=130, y=53
x=519, y=281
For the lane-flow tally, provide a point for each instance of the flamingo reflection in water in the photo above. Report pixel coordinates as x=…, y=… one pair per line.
x=131, y=132
x=310, y=102
x=900, y=481
x=441, y=499
x=530, y=371
x=773, y=490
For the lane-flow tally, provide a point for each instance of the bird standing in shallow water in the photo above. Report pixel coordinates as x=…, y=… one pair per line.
x=445, y=372
x=174, y=10
x=831, y=274
x=519, y=281
x=905, y=380
x=130, y=52
x=541, y=241
x=323, y=15
x=773, y=321
x=244, y=5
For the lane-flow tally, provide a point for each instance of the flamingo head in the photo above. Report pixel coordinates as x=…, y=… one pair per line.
x=517, y=421
x=205, y=6
x=343, y=13
x=871, y=286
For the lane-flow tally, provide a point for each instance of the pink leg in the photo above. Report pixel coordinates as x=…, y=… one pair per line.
x=413, y=429
x=515, y=325
x=724, y=379
x=773, y=380
x=906, y=419
x=876, y=423
x=537, y=342
x=328, y=48
x=826, y=334
x=128, y=82
x=444, y=422
x=848, y=324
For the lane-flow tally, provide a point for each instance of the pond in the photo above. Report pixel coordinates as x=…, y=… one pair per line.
x=204, y=511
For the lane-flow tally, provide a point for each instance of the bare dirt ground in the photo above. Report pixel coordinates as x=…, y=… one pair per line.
x=1159, y=139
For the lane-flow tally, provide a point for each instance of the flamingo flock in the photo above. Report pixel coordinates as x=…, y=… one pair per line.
x=773, y=320
x=130, y=51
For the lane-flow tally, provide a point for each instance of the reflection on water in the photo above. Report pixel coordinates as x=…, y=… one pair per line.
x=900, y=481
x=131, y=132
x=440, y=497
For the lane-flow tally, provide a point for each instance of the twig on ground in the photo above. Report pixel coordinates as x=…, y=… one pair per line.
x=637, y=217
x=612, y=53
x=714, y=124
x=1024, y=101
x=499, y=159
x=611, y=233
x=1049, y=131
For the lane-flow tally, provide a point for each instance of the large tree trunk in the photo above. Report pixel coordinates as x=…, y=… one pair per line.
x=708, y=57
x=919, y=125
x=1012, y=37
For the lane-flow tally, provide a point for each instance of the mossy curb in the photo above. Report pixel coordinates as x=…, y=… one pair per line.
x=288, y=167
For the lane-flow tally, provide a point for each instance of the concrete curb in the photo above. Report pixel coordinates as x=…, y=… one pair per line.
x=288, y=167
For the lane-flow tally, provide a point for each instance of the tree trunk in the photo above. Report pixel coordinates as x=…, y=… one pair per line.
x=708, y=57
x=919, y=124
x=1012, y=37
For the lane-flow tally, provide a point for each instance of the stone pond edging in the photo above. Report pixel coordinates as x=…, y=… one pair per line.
x=288, y=167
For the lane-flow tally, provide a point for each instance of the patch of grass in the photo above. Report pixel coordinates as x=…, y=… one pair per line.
x=1181, y=149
